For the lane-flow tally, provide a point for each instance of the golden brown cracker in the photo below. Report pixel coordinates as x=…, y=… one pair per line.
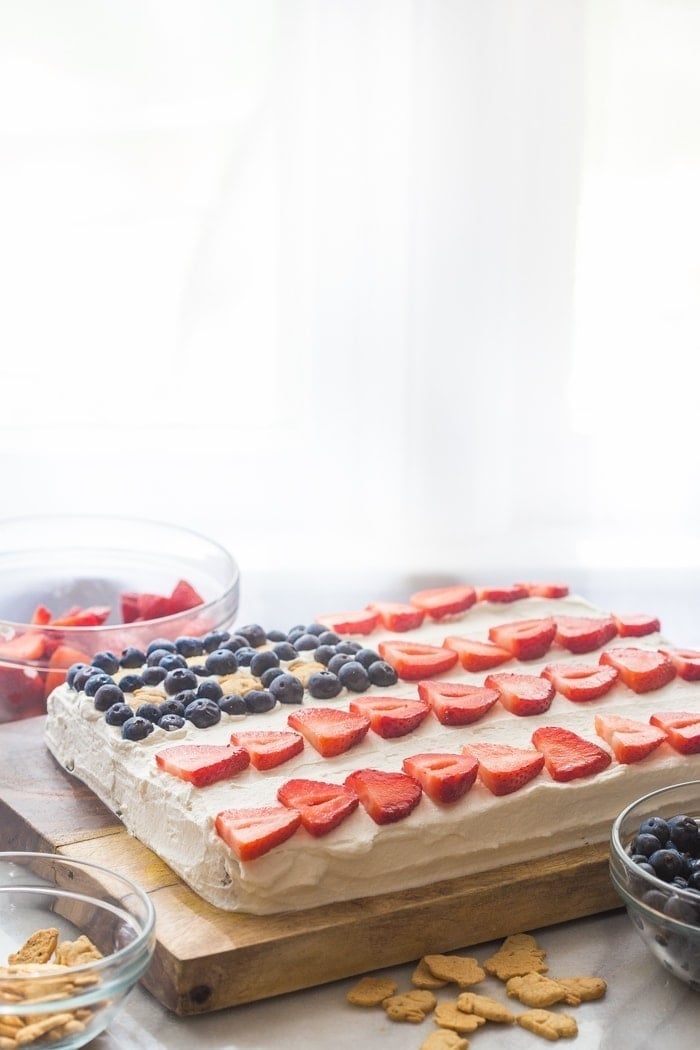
x=449, y=1015
x=423, y=978
x=444, y=1039
x=462, y=970
x=412, y=1006
x=534, y=989
x=38, y=948
x=372, y=991
x=486, y=1007
x=548, y=1024
x=586, y=988
x=519, y=954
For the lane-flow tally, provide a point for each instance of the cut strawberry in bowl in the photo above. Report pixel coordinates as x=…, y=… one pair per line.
x=442, y=602
x=398, y=616
x=390, y=716
x=359, y=621
x=545, y=589
x=251, y=832
x=444, y=777
x=682, y=729
x=630, y=739
x=385, y=797
x=455, y=703
x=202, y=764
x=685, y=661
x=477, y=656
x=512, y=593
x=413, y=660
x=329, y=730
x=568, y=756
x=522, y=694
x=269, y=748
x=504, y=769
x=525, y=639
x=642, y=670
x=321, y=806
x=635, y=625
x=581, y=682
x=583, y=634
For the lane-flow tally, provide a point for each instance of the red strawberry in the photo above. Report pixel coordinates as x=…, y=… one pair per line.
x=386, y=797
x=61, y=659
x=91, y=616
x=525, y=639
x=396, y=616
x=41, y=616
x=522, y=694
x=567, y=755
x=28, y=646
x=581, y=682
x=183, y=597
x=321, y=806
x=269, y=747
x=129, y=602
x=330, y=730
x=504, y=769
x=635, y=625
x=390, y=716
x=545, y=590
x=685, y=661
x=153, y=606
x=630, y=740
x=682, y=729
x=443, y=777
x=640, y=669
x=362, y=621
x=252, y=832
x=22, y=691
x=455, y=703
x=477, y=656
x=501, y=594
x=583, y=634
x=412, y=660
x=440, y=602
x=202, y=764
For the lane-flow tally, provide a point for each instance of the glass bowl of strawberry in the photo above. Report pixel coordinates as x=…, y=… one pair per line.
x=655, y=869
x=73, y=586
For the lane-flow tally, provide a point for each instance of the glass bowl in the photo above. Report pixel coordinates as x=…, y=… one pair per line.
x=666, y=916
x=110, y=570
x=70, y=1003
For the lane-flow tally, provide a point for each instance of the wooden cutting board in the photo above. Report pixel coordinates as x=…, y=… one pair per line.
x=207, y=959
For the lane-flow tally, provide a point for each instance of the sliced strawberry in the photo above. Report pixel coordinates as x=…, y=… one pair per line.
x=396, y=616
x=581, y=682
x=685, y=661
x=61, y=659
x=412, y=660
x=41, y=616
x=28, y=646
x=443, y=777
x=502, y=594
x=455, y=703
x=386, y=797
x=682, y=729
x=21, y=693
x=184, y=596
x=269, y=747
x=583, y=634
x=440, y=602
x=362, y=621
x=254, y=831
x=90, y=616
x=390, y=716
x=504, y=769
x=321, y=806
x=477, y=656
x=522, y=694
x=129, y=606
x=630, y=740
x=545, y=589
x=202, y=764
x=567, y=755
x=525, y=639
x=640, y=669
x=330, y=730
x=635, y=625
x=153, y=606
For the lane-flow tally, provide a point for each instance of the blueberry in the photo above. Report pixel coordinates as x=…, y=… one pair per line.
x=235, y=642
x=171, y=722
x=118, y=714
x=325, y=653
x=694, y=880
x=184, y=697
x=337, y=660
x=367, y=657
x=348, y=647
x=132, y=657
x=209, y=690
x=253, y=633
x=329, y=638
x=646, y=866
x=95, y=681
x=276, y=636
x=646, y=844
x=323, y=685
x=172, y=706
x=306, y=642
x=214, y=640
x=107, y=696
x=169, y=661
x=106, y=661
x=136, y=728
x=655, y=899
x=150, y=711
x=244, y=655
x=295, y=632
x=353, y=676
x=381, y=673
x=81, y=676
x=156, y=655
x=655, y=826
x=73, y=671
x=263, y=661
x=129, y=683
x=285, y=651
x=233, y=705
x=221, y=661
x=259, y=700
x=684, y=833
x=198, y=669
x=682, y=910
x=269, y=676
x=287, y=689
x=316, y=628
x=188, y=647
x=203, y=713
x=160, y=643
x=179, y=678
x=666, y=863
x=153, y=675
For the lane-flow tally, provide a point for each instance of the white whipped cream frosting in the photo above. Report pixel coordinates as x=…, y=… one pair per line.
x=360, y=858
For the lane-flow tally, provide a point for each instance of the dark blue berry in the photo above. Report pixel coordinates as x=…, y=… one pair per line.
x=285, y=651
x=95, y=681
x=156, y=655
x=353, y=676
x=348, y=647
x=287, y=689
x=655, y=826
x=381, y=673
x=153, y=675
x=684, y=834
x=118, y=714
x=233, y=705
x=160, y=643
x=276, y=636
x=259, y=700
x=81, y=676
x=222, y=662
x=367, y=657
x=666, y=863
x=337, y=660
x=323, y=685
x=263, y=661
x=150, y=711
x=214, y=640
x=683, y=910
x=172, y=706
x=178, y=679
x=253, y=633
x=325, y=653
x=188, y=647
x=184, y=697
x=106, y=661
x=73, y=671
x=316, y=628
x=107, y=696
x=129, y=683
x=169, y=661
x=209, y=690
x=306, y=642
x=171, y=722
x=198, y=669
x=137, y=728
x=244, y=655
x=646, y=844
x=203, y=713
x=132, y=657
x=294, y=634
x=269, y=676
x=329, y=638
x=234, y=643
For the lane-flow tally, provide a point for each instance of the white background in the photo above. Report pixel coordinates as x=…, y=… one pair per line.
x=355, y=283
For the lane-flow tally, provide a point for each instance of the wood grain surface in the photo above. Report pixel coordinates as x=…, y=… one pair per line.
x=207, y=959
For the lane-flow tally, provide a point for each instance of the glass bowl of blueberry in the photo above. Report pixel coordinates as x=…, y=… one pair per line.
x=655, y=868
x=75, y=585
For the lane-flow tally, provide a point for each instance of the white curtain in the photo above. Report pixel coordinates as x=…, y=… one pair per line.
x=343, y=283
